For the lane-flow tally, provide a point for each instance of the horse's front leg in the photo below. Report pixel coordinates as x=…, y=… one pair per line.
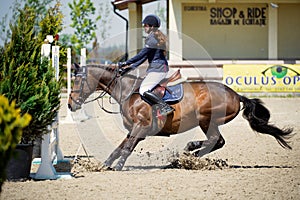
x=138, y=134
x=191, y=146
x=115, y=154
x=127, y=150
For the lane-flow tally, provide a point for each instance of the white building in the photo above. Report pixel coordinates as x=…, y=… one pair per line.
x=226, y=29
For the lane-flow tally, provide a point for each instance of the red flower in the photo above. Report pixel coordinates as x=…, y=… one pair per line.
x=56, y=38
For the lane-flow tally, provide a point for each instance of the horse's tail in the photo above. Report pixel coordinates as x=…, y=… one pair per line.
x=258, y=117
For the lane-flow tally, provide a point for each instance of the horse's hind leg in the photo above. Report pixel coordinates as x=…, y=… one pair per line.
x=214, y=141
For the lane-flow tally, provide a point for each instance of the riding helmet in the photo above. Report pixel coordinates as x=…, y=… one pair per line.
x=152, y=20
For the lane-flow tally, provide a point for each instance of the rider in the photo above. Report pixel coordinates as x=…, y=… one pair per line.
x=155, y=52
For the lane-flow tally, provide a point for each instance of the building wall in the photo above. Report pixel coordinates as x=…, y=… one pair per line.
x=232, y=30
x=226, y=31
x=289, y=31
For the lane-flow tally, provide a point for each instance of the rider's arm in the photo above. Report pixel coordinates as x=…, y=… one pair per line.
x=139, y=58
x=151, y=43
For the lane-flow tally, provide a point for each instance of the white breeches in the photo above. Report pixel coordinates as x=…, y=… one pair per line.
x=151, y=80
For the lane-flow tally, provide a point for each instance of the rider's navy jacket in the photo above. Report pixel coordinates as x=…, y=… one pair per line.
x=154, y=54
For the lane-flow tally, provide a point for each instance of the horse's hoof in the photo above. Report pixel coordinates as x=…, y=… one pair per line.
x=110, y=169
x=198, y=154
x=189, y=147
x=186, y=153
x=106, y=168
x=118, y=168
x=186, y=149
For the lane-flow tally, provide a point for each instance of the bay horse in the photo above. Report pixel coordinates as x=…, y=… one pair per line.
x=205, y=104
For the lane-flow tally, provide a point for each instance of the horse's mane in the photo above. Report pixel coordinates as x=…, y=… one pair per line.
x=110, y=67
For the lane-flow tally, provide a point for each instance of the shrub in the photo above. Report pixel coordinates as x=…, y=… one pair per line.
x=11, y=126
x=29, y=79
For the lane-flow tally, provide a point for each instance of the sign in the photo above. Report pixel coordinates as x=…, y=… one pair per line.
x=231, y=15
x=234, y=16
x=262, y=78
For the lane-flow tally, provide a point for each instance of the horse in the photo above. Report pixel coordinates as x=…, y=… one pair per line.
x=207, y=104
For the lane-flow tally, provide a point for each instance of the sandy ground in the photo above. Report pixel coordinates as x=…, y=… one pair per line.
x=261, y=169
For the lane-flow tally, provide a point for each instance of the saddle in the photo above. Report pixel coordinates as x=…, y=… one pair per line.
x=170, y=89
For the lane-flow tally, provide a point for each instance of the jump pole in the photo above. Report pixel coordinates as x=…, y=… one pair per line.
x=55, y=131
x=82, y=115
x=50, y=144
x=69, y=118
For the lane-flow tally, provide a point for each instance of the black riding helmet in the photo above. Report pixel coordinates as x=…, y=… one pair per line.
x=152, y=20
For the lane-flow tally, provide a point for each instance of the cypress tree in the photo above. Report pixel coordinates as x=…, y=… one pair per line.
x=28, y=78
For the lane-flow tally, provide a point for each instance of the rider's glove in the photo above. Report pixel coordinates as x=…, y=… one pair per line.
x=122, y=64
x=123, y=71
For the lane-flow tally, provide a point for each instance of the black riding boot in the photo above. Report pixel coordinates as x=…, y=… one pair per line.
x=152, y=99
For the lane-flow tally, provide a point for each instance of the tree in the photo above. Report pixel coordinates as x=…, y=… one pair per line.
x=27, y=78
x=5, y=32
x=52, y=21
x=82, y=14
x=104, y=21
x=39, y=6
x=65, y=40
x=52, y=24
x=41, y=9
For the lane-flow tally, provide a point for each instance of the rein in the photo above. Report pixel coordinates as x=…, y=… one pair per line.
x=104, y=109
x=105, y=91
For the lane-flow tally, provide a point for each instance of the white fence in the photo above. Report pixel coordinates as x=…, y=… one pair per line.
x=51, y=153
x=50, y=150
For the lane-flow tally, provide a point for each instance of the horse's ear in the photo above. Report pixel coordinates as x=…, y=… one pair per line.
x=76, y=68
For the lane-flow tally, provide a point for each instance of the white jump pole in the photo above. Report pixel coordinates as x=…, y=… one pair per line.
x=46, y=169
x=83, y=57
x=69, y=118
x=55, y=131
x=50, y=143
x=82, y=115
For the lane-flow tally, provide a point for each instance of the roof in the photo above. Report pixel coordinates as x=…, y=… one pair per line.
x=123, y=4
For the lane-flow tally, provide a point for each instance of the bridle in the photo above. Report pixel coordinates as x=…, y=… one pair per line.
x=83, y=74
x=83, y=96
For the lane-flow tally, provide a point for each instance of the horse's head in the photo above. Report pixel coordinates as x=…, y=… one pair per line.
x=82, y=88
x=87, y=80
